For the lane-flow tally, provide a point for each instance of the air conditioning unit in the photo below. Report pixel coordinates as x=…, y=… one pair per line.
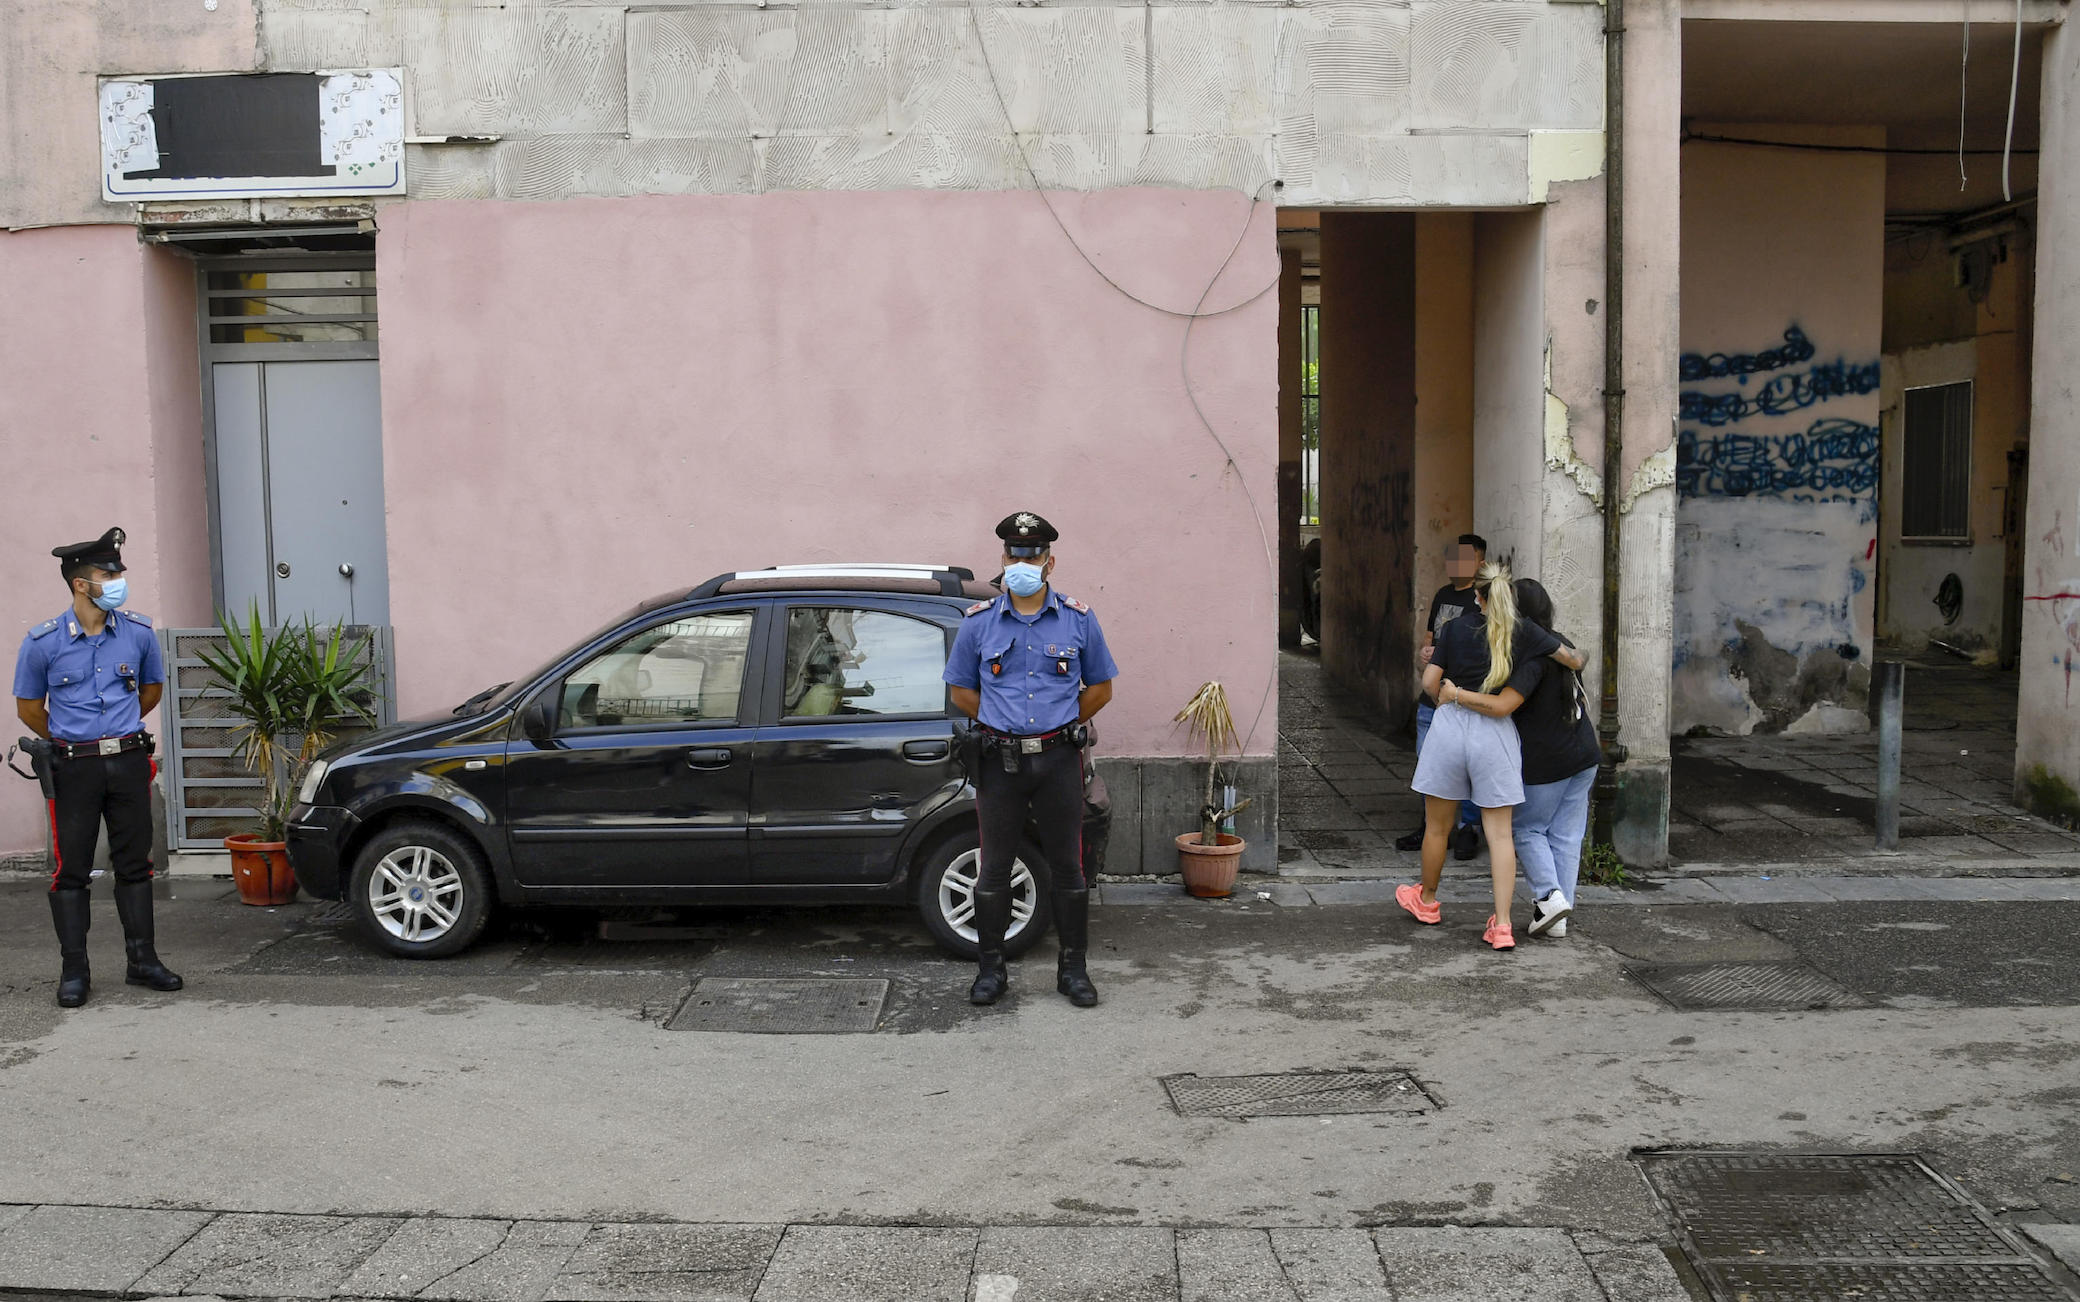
x=248, y=136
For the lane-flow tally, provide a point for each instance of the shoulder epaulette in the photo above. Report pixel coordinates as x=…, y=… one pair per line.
x=978, y=608
x=136, y=618
x=42, y=629
x=1073, y=604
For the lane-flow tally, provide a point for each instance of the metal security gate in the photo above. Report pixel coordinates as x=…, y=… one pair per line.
x=209, y=793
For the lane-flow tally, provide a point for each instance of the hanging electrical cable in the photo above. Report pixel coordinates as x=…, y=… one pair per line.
x=1964, y=83
x=1191, y=318
x=2014, y=84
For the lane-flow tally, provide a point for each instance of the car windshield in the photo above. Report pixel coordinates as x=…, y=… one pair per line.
x=504, y=695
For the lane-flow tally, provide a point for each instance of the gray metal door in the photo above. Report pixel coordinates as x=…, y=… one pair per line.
x=299, y=453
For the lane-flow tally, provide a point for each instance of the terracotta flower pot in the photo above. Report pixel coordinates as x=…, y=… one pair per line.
x=261, y=869
x=1209, y=870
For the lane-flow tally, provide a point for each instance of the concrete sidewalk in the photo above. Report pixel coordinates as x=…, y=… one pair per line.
x=151, y=1252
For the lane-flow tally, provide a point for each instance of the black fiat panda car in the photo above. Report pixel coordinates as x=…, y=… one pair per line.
x=777, y=735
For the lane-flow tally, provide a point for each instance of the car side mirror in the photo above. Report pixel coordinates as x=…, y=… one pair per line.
x=537, y=723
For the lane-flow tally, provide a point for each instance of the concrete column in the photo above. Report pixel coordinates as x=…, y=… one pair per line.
x=1368, y=454
x=1509, y=338
x=1645, y=479
x=1444, y=399
x=2047, y=736
x=1289, y=433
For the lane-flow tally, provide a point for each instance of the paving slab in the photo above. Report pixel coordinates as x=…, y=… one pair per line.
x=90, y=1249
x=667, y=1263
x=1227, y=1265
x=521, y=1268
x=1773, y=890
x=268, y=1255
x=2044, y=888
x=834, y=1263
x=1452, y=1264
x=1132, y=893
x=1290, y=895
x=1634, y=1272
x=1677, y=890
x=425, y=1250
x=1371, y=892
x=1331, y=1265
x=12, y=1212
x=1096, y=1264
x=1967, y=889
x=2062, y=1241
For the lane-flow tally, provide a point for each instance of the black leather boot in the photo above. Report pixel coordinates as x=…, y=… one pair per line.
x=1072, y=927
x=134, y=907
x=69, y=913
x=992, y=919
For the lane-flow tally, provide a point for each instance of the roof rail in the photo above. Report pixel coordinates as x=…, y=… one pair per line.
x=948, y=577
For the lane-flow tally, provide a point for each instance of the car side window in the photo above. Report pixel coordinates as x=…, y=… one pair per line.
x=687, y=670
x=844, y=661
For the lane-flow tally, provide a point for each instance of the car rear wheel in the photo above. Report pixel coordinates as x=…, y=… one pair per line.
x=946, y=896
x=421, y=890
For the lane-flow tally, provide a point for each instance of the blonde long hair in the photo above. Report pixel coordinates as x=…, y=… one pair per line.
x=1499, y=595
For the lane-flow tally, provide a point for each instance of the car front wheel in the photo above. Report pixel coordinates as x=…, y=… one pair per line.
x=421, y=890
x=946, y=896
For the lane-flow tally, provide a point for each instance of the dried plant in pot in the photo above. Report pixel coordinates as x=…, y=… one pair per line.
x=288, y=689
x=1208, y=858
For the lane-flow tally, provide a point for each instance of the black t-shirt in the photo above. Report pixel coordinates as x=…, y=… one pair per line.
x=1462, y=648
x=1553, y=724
x=1449, y=604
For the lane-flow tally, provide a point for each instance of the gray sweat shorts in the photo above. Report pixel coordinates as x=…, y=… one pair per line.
x=1470, y=756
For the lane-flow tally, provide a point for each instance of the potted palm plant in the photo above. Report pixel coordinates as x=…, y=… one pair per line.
x=1209, y=857
x=290, y=689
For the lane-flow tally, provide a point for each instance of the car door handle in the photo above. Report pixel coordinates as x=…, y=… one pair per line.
x=709, y=757
x=926, y=752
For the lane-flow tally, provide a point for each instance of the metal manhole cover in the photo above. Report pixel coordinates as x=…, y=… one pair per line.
x=782, y=1005
x=1772, y=1227
x=1299, y=1094
x=1757, y=987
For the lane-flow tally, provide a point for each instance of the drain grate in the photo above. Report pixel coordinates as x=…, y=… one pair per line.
x=1771, y=1227
x=332, y=913
x=1746, y=987
x=782, y=1005
x=1299, y=1094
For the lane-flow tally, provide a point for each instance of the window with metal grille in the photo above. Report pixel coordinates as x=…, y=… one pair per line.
x=1936, y=473
x=1311, y=415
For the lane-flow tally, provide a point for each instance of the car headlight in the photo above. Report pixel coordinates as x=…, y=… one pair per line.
x=308, y=792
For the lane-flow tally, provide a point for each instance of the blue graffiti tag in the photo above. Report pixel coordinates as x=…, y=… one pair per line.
x=1718, y=366
x=1834, y=460
x=1782, y=395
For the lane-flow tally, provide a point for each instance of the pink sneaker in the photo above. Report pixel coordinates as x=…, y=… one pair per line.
x=1498, y=935
x=1410, y=897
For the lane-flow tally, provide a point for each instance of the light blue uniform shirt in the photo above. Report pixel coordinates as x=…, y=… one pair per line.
x=83, y=678
x=1029, y=669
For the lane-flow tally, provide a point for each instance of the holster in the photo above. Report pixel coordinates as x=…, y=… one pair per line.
x=39, y=752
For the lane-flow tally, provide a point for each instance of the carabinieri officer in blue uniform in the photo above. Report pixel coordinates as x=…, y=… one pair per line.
x=1031, y=668
x=85, y=681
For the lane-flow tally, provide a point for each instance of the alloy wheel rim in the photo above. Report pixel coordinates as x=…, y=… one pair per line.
x=415, y=894
x=957, y=895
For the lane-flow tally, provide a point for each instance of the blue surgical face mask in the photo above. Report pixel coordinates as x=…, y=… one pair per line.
x=1024, y=579
x=113, y=594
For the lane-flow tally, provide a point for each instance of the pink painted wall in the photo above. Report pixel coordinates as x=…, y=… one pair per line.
x=592, y=401
x=97, y=405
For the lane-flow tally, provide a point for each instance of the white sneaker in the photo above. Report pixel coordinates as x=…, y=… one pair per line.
x=1557, y=930
x=1549, y=913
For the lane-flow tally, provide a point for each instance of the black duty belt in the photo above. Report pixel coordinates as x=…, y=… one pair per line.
x=1063, y=736
x=105, y=746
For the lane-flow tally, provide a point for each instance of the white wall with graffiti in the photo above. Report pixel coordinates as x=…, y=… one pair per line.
x=1777, y=457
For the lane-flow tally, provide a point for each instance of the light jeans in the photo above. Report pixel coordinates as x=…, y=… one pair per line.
x=1469, y=813
x=1548, y=829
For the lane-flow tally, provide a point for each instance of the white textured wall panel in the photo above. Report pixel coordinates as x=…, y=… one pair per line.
x=312, y=40
x=1342, y=71
x=557, y=167
x=1506, y=65
x=1444, y=170
x=1214, y=69
x=519, y=71
x=740, y=72
x=449, y=172
x=1059, y=70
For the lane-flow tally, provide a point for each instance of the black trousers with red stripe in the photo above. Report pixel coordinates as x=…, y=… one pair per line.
x=94, y=788
x=1049, y=788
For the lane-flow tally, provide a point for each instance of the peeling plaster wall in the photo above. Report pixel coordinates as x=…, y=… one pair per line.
x=1782, y=275
x=1571, y=563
